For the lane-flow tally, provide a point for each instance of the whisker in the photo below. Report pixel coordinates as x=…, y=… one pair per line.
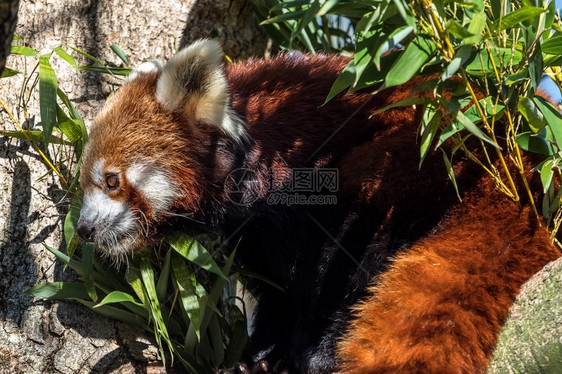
x=184, y=216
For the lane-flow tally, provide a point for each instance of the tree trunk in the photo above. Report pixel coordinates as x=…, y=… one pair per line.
x=531, y=339
x=8, y=20
x=38, y=336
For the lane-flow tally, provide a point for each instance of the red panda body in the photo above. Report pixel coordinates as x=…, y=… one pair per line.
x=397, y=276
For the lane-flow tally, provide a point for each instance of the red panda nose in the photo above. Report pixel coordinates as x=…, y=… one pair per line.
x=86, y=231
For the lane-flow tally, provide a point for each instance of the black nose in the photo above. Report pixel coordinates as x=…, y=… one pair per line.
x=86, y=231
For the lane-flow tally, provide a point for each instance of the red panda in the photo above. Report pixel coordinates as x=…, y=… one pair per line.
x=393, y=275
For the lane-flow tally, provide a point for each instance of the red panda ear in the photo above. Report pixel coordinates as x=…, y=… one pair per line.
x=193, y=81
x=153, y=66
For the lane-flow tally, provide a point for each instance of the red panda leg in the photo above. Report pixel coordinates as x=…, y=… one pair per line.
x=440, y=306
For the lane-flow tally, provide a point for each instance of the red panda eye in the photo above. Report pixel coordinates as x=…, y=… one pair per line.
x=112, y=181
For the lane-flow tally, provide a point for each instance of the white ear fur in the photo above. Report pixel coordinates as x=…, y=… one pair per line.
x=153, y=66
x=193, y=80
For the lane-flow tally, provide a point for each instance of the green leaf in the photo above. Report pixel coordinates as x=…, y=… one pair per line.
x=429, y=125
x=547, y=172
x=163, y=278
x=455, y=28
x=481, y=64
x=24, y=51
x=72, y=110
x=408, y=64
x=475, y=28
x=513, y=19
x=117, y=297
x=108, y=70
x=7, y=72
x=307, y=17
x=451, y=173
x=552, y=117
x=119, y=52
x=473, y=129
x=531, y=113
x=238, y=336
x=88, y=268
x=284, y=17
x=65, y=56
x=460, y=58
x=531, y=142
x=517, y=77
x=326, y=7
x=185, y=279
x=36, y=136
x=132, y=277
x=47, y=96
x=392, y=41
x=477, y=5
x=553, y=46
x=58, y=291
x=344, y=80
x=194, y=252
x=116, y=313
x=160, y=329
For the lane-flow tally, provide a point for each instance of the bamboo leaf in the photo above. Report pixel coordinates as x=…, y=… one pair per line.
x=512, y=19
x=47, y=96
x=24, y=51
x=7, y=72
x=473, y=129
x=194, y=252
x=531, y=113
x=58, y=291
x=344, y=80
x=120, y=53
x=531, y=142
x=65, y=56
x=408, y=64
x=117, y=297
x=553, y=46
x=547, y=172
x=430, y=123
x=88, y=268
x=552, y=117
x=185, y=277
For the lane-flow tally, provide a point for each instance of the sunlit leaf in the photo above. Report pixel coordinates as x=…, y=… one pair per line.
x=117, y=297
x=531, y=113
x=47, y=96
x=24, y=51
x=194, y=252
x=119, y=52
x=408, y=64
x=514, y=18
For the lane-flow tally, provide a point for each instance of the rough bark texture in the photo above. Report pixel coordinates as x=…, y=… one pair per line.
x=531, y=340
x=8, y=19
x=38, y=336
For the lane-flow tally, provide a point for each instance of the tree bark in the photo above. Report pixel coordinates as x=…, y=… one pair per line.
x=38, y=336
x=8, y=20
x=531, y=339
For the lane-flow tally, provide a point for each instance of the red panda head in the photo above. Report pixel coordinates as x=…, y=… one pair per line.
x=141, y=162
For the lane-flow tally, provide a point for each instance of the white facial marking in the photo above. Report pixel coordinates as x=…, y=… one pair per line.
x=97, y=171
x=156, y=186
x=115, y=224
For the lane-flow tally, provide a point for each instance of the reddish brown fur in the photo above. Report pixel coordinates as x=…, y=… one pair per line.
x=440, y=305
